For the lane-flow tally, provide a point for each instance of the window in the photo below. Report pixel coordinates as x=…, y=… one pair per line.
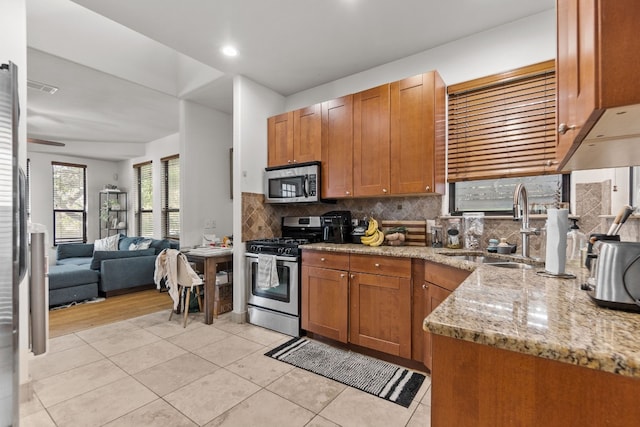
x=69, y=203
x=143, y=199
x=503, y=125
x=171, y=197
x=502, y=132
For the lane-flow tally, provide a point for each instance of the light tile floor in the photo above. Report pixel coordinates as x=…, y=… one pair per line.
x=148, y=371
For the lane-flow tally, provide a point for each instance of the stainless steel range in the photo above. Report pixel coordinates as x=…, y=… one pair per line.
x=278, y=307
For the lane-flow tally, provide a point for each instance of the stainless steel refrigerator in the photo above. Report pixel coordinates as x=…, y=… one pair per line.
x=14, y=248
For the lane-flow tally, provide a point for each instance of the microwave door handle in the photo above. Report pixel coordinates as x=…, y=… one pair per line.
x=305, y=186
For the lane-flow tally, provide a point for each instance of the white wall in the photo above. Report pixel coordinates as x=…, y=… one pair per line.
x=99, y=173
x=154, y=151
x=206, y=136
x=503, y=48
x=252, y=104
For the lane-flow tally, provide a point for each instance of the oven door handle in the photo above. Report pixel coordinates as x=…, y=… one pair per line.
x=278, y=258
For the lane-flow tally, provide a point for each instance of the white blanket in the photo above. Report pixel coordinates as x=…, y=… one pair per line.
x=173, y=266
x=267, y=272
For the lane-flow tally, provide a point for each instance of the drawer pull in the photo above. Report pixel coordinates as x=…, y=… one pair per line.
x=322, y=259
x=342, y=275
x=425, y=286
x=353, y=276
x=376, y=265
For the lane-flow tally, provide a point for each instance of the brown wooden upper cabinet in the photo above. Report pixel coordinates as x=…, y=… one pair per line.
x=598, y=95
x=294, y=137
x=418, y=135
x=387, y=140
x=371, y=149
x=337, y=148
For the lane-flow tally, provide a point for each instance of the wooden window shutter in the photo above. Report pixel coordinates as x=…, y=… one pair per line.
x=503, y=125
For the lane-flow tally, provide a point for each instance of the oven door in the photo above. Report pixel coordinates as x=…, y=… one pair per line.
x=285, y=297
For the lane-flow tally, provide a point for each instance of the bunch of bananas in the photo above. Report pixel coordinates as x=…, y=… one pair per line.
x=373, y=236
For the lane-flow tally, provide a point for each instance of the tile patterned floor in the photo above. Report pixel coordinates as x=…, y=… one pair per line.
x=148, y=371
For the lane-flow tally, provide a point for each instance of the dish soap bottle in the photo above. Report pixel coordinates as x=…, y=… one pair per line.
x=576, y=240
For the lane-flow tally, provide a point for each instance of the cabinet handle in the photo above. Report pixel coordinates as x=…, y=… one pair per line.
x=322, y=259
x=353, y=276
x=288, y=161
x=425, y=286
x=295, y=161
x=427, y=188
x=347, y=192
x=384, y=190
x=342, y=275
x=376, y=265
x=563, y=128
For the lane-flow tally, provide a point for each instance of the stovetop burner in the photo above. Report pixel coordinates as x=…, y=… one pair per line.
x=277, y=246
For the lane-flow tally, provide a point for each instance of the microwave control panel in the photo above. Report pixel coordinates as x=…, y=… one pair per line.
x=312, y=184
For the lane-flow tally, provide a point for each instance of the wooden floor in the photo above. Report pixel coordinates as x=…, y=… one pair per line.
x=113, y=309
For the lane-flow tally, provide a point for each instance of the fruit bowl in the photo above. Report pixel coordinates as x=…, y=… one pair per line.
x=396, y=236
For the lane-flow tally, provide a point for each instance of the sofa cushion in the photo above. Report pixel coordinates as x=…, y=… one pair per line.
x=74, y=250
x=99, y=256
x=159, y=245
x=127, y=241
x=81, y=261
x=64, y=276
x=107, y=244
x=140, y=245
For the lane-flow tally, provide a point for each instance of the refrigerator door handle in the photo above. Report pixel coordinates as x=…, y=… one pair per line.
x=24, y=244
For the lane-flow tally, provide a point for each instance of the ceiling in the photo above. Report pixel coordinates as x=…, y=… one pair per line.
x=121, y=66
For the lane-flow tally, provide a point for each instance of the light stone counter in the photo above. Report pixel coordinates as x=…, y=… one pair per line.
x=521, y=311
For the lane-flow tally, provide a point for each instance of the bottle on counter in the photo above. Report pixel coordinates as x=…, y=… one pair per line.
x=576, y=240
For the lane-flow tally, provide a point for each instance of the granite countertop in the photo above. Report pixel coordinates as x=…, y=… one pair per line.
x=519, y=310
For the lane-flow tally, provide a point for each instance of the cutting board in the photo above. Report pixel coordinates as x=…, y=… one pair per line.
x=416, y=231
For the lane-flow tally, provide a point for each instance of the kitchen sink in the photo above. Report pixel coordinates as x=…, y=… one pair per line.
x=496, y=262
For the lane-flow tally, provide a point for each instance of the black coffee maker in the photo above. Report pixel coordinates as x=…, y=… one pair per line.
x=336, y=227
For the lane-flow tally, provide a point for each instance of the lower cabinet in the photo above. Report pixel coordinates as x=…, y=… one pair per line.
x=439, y=282
x=380, y=304
x=325, y=294
x=377, y=302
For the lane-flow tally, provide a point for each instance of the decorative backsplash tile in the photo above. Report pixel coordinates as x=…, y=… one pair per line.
x=260, y=220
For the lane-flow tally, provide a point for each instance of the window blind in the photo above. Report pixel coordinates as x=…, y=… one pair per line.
x=171, y=197
x=143, y=206
x=503, y=125
x=69, y=203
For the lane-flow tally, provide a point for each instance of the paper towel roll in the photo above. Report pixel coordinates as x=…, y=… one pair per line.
x=556, y=253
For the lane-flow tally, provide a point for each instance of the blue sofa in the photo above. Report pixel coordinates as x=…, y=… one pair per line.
x=81, y=273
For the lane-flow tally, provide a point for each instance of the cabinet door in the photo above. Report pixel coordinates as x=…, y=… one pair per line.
x=435, y=296
x=419, y=309
x=280, y=139
x=371, y=142
x=417, y=134
x=337, y=148
x=325, y=302
x=380, y=313
x=575, y=70
x=307, y=126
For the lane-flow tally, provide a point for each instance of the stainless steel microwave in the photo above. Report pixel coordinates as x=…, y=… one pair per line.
x=298, y=183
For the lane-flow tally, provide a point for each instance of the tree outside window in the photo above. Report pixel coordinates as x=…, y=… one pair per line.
x=69, y=203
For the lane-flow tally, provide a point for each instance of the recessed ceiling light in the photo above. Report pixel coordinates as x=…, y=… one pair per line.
x=230, y=51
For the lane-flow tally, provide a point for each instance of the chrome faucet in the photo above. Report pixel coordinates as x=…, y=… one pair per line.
x=521, y=212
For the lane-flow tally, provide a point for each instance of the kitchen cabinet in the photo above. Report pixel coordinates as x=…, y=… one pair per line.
x=337, y=148
x=325, y=294
x=113, y=213
x=294, y=137
x=371, y=173
x=480, y=385
x=417, y=132
x=439, y=281
x=597, y=92
x=380, y=303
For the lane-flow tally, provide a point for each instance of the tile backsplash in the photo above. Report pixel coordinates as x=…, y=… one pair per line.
x=260, y=220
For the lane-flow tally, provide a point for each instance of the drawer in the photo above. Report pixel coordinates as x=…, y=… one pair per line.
x=444, y=276
x=384, y=265
x=323, y=259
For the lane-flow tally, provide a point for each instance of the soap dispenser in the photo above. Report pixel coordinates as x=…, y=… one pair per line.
x=576, y=240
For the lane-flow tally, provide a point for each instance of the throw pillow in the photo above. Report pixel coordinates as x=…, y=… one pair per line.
x=107, y=244
x=139, y=245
